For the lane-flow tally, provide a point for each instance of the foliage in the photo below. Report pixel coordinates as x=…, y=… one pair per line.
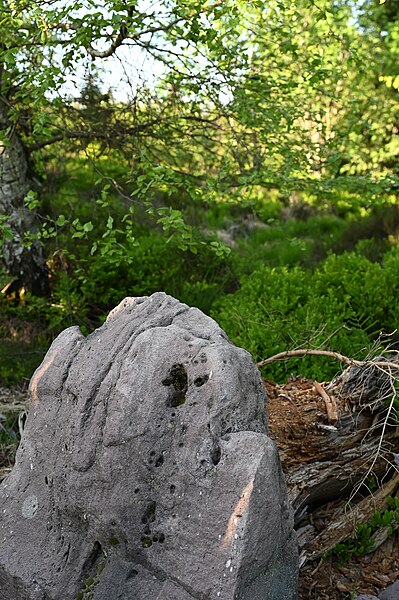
x=249, y=97
x=18, y=361
x=244, y=112
x=337, y=306
x=363, y=542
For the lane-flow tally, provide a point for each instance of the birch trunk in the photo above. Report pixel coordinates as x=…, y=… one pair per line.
x=26, y=265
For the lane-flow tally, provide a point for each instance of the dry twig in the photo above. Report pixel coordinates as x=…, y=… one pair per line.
x=336, y=355
x=331, y=405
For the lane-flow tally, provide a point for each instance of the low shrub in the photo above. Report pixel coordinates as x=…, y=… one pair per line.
x=341, y=305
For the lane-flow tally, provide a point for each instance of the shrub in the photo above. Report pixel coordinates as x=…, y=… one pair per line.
x=340, y=306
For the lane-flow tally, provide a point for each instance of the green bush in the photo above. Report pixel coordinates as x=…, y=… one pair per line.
x=341, y=306
x=93, y=284
x=287, y=243
x=18, y=361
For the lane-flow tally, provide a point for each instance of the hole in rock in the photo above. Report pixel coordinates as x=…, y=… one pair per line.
x=172, y=489
x=215, y=455
x=146, y=541
x=159, y=461
x=113, y=541
x=136, y=491
x=199, y=381
x=161, y=538
x=149, y=514
x=92, y=558
x=132, y=574
x=177, y=380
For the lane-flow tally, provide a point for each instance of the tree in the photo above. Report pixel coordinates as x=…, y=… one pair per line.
x=247, y=97
x=38, y=55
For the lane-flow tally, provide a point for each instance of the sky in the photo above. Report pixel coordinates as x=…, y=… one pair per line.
x=130, y=67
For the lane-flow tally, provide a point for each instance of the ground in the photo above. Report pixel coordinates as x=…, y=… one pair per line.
x=292, y=409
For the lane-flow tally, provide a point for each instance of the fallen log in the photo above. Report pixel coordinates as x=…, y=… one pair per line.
x=338, y=444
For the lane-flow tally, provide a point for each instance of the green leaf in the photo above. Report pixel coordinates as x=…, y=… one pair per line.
x=87, y=227
x=60, y=221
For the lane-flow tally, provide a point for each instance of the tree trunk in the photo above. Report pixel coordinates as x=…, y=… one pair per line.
x=24, y=264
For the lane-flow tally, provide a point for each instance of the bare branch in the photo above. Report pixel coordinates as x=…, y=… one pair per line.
x=329, y=401
x=337, y=355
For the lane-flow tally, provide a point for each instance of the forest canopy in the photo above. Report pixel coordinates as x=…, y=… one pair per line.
x=138, y=139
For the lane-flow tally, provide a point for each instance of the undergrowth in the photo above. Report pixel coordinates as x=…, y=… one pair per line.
x=363, y=541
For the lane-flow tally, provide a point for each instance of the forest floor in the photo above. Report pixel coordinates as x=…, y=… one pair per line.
x=292, y=408
x=324, y=579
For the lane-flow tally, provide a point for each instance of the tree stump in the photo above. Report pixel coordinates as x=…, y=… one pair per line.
x=339, y=445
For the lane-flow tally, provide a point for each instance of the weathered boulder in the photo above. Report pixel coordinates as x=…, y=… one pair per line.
x=145, y=470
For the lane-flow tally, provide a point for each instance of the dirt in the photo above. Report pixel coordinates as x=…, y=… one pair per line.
x=292, y=408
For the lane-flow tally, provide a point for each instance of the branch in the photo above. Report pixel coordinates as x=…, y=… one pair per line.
x=337, y=355
x=90, y=135
x=120, y=38
x=329, y=401
x=124, y=32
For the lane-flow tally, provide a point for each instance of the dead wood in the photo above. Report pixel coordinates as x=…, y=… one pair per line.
x=331, y=405
x=337, y=355
x=335, y=442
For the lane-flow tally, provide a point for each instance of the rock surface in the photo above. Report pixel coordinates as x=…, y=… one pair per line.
x=145, y=469
x=391, y=592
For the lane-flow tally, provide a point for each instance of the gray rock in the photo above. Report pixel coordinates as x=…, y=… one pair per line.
x=366, y=597
x=145, y=469
x=391, y=592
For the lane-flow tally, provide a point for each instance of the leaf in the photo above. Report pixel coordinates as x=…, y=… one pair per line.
x=88, y=227
x=60, y=221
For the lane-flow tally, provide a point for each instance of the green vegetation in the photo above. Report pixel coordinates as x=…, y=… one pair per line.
x=363, y=541
x=18, y=361
x=249, y=168
x=339, y=304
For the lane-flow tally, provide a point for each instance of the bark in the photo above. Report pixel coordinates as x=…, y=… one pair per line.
x=26, y=265
x=330, y=466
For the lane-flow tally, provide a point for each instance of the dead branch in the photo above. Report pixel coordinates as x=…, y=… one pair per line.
x=331, y=405
x=345, y=359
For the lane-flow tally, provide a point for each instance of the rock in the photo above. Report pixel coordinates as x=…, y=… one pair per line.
x=145, y=469
x=391, y=592
x=366, y=597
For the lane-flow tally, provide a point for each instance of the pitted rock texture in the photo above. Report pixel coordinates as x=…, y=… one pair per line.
x=145, y=470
